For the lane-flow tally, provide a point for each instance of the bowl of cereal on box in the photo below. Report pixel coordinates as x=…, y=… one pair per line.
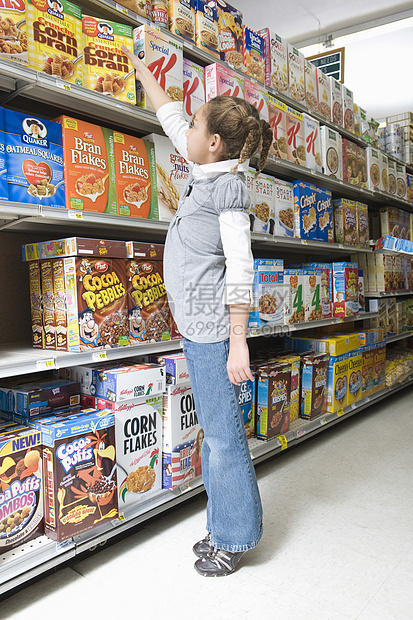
x=286, y=219
x=269, y=304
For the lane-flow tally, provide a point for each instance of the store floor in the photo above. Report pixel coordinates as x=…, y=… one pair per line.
x=338, y=542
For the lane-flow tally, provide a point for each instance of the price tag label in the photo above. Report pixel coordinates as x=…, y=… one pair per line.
x=184, y=487
x=45, y=364
x=304, y=241
x=323, y=421
x=66, y=544
x=101, y=355
x=341, y=319
x=292, y=328
x=341, y=246
x=340, y=412
x=121, y=9
x=63, y=85
x=75, y=215
x=283, y=441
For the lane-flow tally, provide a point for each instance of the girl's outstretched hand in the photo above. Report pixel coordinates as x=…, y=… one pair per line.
x=136, y=62
x=149, y=83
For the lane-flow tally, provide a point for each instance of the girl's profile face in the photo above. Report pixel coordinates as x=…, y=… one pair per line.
x=198, y=139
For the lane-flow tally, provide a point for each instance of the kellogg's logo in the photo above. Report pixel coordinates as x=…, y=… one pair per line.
x=101, y=266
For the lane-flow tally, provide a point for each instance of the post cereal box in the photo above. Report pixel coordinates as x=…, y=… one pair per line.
x=13, y=36
x=90, y=172
x=254, y=54
x=348, y=109
x=345, y=221
x=277, y=112
x=34, y=160
x=336, y=101
x=350, y=169
x=182, y=437
x=257, y=96
x=21, y=497
x=181, y=14
x=246, y=393
x=172, y=173
x=230, y=35
x=337, y=384
x=311, y=92
x=36, y=304
x=314, y=379
x=149, y=314
x=267, y=306
x=345, y=289
x=331, y=152
x=324, y=95
x=273, y=399
x=324, y=215
x=4, y=192
x=220, y=80
x=106, y=69
x=284, y=208
x=54, y=30
x=312, y=143
x=355, y=372
x=163, y=57
x=294, y=296
x=296, y=146
x=264, y=204
x=206, y=26
x=136, y=188
x=276, y=60
x=296, y=80
x=194, y=88
x=305, y=210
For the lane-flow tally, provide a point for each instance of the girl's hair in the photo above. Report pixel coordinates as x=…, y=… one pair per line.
x=240, y=127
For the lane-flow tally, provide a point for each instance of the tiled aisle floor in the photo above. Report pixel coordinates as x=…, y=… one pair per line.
x=338, y=542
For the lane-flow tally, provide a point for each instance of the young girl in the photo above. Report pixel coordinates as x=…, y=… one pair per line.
x=208, y=272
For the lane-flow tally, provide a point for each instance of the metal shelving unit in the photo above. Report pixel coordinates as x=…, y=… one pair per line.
x=387, y=294
x=397, y=337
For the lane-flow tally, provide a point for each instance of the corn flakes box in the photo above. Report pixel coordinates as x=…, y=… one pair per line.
x=230, y=35
x=284, y=208
x=254, y=54
x=264, y=204
x=345, y=221
x=355, y=372
x=331, y=152
x=220, y=80
x=13, y=35
x=314, y=377
x=267, y=306
x=181, y=18
x=206, y=26
x=245, y=399
x=257, y=96
x=363, y=224
x=90, y=172
x=312, y=143
x=305, y=210
x=106, y=69
x=54, y=31
x=136, y=187
x=273, y=399
x=296, y=80
x=348, y=108
x=325, y=215
x=294, y=286
x=324, y=95
x=277, y=112
x=34, y=155
x=337, y=383
x=193, y=87
x=345, y=289
x=163, y=57
x=367, y=380
x=296, y=149
x=336, y=101
x=276, y=60
x=4, y=192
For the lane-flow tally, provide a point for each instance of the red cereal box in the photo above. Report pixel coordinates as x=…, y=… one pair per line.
x=221, y=80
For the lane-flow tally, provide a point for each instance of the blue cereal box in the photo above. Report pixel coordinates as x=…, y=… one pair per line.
x=4, y=192
x=254, y=54
x=34, y=160
x=245, y=399
x=267, y=306
x=305, y=210
x=324, y=210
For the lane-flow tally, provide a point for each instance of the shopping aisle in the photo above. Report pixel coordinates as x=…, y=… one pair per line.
x=338, y=542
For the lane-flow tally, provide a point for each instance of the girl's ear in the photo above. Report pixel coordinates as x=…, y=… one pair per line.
x=215, y=143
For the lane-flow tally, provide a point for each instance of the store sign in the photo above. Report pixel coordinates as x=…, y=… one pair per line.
x=330, y=63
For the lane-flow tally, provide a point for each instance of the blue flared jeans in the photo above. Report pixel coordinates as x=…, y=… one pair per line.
x=234, y=510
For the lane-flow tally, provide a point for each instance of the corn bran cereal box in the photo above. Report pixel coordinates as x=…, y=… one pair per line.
x=230, y=35
x=106, y=69
x=345, y=221
x=296, y=79
x=348, y=108
x=276, y=60
x=296, y=146
x=336, y=102
x=181, y=17
x=135, y=177
x=193, y=87
x=163, y=57
x=206, y=22
x=312, y=143
x=324, y=95
x=305, y=210
x=4, y=191
x=355, y=372
x=294, y=287
x=325, y=215
x=277, y=112
x=337, y=384
x=311, y=92
x=13, y=36
x=284, y=208
x=264, y=204
x=54, y=30
x=254, y=54
x=220, y=80
x=90, y=172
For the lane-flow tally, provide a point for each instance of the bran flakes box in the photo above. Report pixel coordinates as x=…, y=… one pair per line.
x=254, y=54
x=348, y=109
x=277, y=112
x=181, y=18
x=296, y=146
x=324, y=95
x=284, y=208
x=276, y=60
x=220, y=80
x=106, y=69
x=13, y=36
x=257, y=96
x=312, y=143
x=264, y=204
x=336, y=102
x=337, y=384
x=273, y=399
x=163, y=57
x=230, y=35
x=193, y=87
x=324, y=215
x=294, y=296
x=90, y=171
x=54, y=31
x=206, y=26
x=4, y=191
x=267, y=306
x=305, y=210
x=34, y=160
x=311, y=92
x=21, y=496
x=331, y=152
x=296, y=80
x=136, y=188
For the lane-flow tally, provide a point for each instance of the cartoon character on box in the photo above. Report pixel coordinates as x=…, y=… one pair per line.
x=89, y=329
x=136, y=324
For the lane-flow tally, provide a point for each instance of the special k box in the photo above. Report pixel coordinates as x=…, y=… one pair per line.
x=90, y=172
x=296, y=151
x=257, y=96
x=311, y=92
x=136, y=188
x=296, y=87
x=106, y=69
x=193, y=87
x=277, y=112
x=163, y=57
x=324, y=95
x=13, y=37
x=220, y=80
x=312, y=143
x=276, y=60
x=54, y=31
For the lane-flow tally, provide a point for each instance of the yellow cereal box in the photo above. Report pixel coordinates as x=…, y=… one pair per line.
x=355, y=371
x=181, y=15
x=13, y=37
x=105, y=68
x=337, y=392
x=54, y=30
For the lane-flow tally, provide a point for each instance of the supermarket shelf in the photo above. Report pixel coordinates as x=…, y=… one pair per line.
x=397, y=337
x=270, y=330
x=302, y=244
x=387, y=294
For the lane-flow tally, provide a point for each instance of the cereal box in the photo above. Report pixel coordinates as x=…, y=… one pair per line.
x=324, y=270
x=136, y=188
x=367, y=382
x=106, y=69
x=149, y=314
x=34, y=160
x=257, y=96
x=401, y=187
x=379, y=365
x=373, y=166
x=230, y=35
x=312, y=294
x=345, y=289
x=276, y=60
x=49, y=325
x=181, y=14
x=350, y=170
x=391, y=165
x=172, y=173
x=311, y=91
x=391, y=222
x=32, y=397
x=296, y=145
x=163, y=57
x=379, y=306
x=4, y=192
x=182, y=437
x=90, y=171
x=355, y=371
x=336, y=102
x=206, y=31
x=59, y=298
x=36, y=304
x=250, y=183
x=331, y=152
x=176, y=368
x=324, y=95
x=345, y=221
x=294, y=285
x=362, y=298
x=159, y=13
x=194, y=88
x=13, y=36
x=296, y=81
x=21, y=497
x=267, y=306
x=273, y=399
x=337, y=383
x=312, y=143
x=141, y=7
x=314, y=385
x=254, y=54
x=277, y=112
x=123, y=382
x=384, y=265
x=384, y=173
x=264, y=204
x=348, y=109
x=362, y=167
x=324, y=210
x=409, y=315
x=305, y=210
x=246, y=393
x=220, y=80
x=54, y=32
x=284, y=208
x=391, y=317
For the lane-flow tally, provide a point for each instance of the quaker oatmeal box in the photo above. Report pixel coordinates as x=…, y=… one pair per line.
x=311, y=91
x=345, y=221
x=305, y=210
x=193, y=87
x=13, y=37
x=324, y=95
x=206, y=30
x=296, y=86
x=172, y=173
x=276, y=60
x=373, y=166
x=90, y=172
x=273, y=399
x=363, y=224
x=54, y=31
x=284, y=208
x=221, y=80
x=257, y=96
x=331, y=152
x=401, y=187
x=181, y=17
x=277, y=112
x=336, y=102
x=264, y=204
x=254, y=54
x=163, y=57
x=350, y=169
x=296, y=146
x=106, y=69
x=149, y=314
x=230, y=35
x=267, y=306
x=348, y=109
x=313, y=143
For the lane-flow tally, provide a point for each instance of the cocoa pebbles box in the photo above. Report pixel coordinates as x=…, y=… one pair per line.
x=21, y=493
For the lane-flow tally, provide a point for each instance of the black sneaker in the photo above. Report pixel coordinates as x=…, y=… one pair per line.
x=218, y=563
x=202, y=547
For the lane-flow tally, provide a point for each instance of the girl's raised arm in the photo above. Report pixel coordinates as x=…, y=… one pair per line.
x=155, y=92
